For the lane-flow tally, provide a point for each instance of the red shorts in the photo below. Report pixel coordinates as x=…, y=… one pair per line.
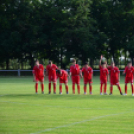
x=128, y=80
x=103, y=81
x=114, y=82
x=76, y=79
x=87, y=81
x=52, y=78
x=41, y=79
x=65, y=80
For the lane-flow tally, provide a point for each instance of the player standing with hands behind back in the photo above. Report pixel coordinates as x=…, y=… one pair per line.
x=129, y=71
x=75, y=75
x=38, y=74
x=51, y=72
x=103, y=76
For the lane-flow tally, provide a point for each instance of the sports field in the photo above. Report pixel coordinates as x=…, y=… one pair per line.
x=24, y=112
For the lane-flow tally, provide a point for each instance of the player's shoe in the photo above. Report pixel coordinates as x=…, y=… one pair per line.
x=67, y=92
x=42, y=92
x=49, y=93
x=85, y=93
x=121, y=93
x=60, y=92
x=110, y=94
x=101, y=94
x=54, y=92
x=125, y=94
x=105, y=94
x=91, y=93
x=36, y=93
x=132, y=94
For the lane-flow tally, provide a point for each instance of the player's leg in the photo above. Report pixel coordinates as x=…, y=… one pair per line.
x=49, y=84
x=125, y=88
x=78, y=88
x=118, y=85
x=132, y=87
x=85, y=88
x=36, y=87
x=90, y=88
x=105, y=88
x=42, y=84
x=54, y=87
x=78, y=83
x=60, y=88
x=111, y=89
x=101, y=88
x=66, y=87
x=73, y=84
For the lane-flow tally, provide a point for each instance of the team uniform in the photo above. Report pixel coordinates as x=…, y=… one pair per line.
x=103, y=78
x=129, y=78
x=75, y=72
x=88, y=72
x=52, y=77
x=114, y=78
x=63, y=78
x=39, y=76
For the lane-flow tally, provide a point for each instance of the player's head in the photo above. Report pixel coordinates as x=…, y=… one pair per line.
x=50, y=62
x=37, y=62
x=86, y=64
x=103, y=64
x=73, y=61
x=58, y=71
x=129, y=64
x=112, y=64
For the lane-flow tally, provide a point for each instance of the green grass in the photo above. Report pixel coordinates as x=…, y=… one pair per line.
x=24, y=112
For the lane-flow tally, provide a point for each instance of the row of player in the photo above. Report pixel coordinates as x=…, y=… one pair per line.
x=53, y=72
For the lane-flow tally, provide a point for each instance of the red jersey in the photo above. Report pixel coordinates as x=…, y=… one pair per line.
x=103, y=73
x=38, y=71
x=75, y=69
x=87, y=72
x=129, y=72
x=51, y=70
x=63, y=74
x=114, y=72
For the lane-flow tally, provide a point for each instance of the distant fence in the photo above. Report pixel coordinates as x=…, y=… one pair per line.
x=29, y=72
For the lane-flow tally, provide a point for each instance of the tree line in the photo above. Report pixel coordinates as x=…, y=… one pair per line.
x=64, y=29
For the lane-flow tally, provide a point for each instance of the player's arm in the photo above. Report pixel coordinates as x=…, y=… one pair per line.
x=119, y=76
x=100, y=60
x=81, y=74
x=34, y=79
x=124, y=72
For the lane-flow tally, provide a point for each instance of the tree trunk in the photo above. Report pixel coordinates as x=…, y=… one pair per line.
x=7, y=64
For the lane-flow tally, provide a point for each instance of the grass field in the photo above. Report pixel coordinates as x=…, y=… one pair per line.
x=24, y=112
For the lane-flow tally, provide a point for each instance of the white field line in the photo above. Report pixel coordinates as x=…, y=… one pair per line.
x=75, y=123
x=49, y=106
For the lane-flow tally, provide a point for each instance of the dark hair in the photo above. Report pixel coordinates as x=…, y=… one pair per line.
x=58, y=71
x=86, y=63
x=50, y=61
x=103, y=63
x=129, y=62
x=36, y=60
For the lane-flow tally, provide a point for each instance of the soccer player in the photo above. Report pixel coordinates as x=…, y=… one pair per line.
x=114, y=78
x=87, y=73
x=129, y=71
x=38, y=75
x=103, y=76
x=63, y=78
x=75, y=75
x=51, y=72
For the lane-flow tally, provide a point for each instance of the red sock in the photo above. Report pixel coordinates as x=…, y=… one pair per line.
x=73, y=87
x=126, y=89
x=85, y=88
x=49, y=87
x=66, y=88
x=111, y=89
x=54, y=86
x=78, y=88
x=42, y=87
x=101, y=88
x=132, y=89
x=90, y=87
x=60, y=88
x=105, y=88
x=119, y=88
x=36, y=87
